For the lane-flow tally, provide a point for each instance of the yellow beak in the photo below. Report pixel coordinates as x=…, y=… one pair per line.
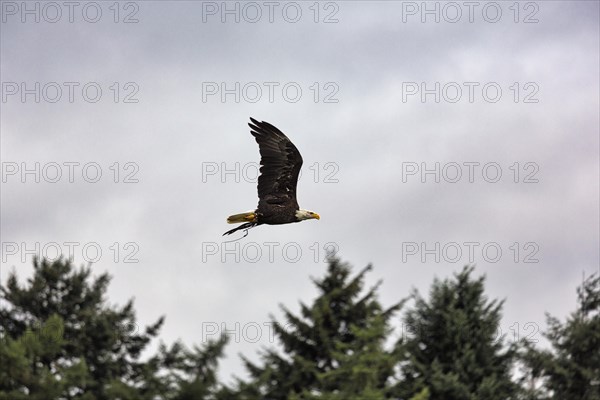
x=316, y=216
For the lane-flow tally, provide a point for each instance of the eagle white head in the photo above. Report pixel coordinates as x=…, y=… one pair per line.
x=301, y=215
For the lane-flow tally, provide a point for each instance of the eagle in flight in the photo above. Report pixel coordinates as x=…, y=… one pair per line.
x=280, y=166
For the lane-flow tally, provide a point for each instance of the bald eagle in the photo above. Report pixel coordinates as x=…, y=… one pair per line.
x=280, y=166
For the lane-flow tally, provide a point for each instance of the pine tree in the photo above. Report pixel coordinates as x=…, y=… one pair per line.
x=450, y=350
x=334, y=350
x=59, y=339
x=571, y=369
x=27, y=362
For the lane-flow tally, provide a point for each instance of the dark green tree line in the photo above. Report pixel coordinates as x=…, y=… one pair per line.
x=333, y=350
x=59, y=339
x=451, y=348
x=570, y=369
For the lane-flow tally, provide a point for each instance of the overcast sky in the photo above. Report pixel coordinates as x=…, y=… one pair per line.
x=497, y=103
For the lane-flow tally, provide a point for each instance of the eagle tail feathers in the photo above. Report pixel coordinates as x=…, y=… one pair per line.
x=249, y=216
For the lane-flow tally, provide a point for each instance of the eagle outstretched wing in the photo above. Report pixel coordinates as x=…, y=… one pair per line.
x=280, y=166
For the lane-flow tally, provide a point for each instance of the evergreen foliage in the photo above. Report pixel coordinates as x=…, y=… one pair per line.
x=451, y=348
x=333, y=350
x=59, y=339
x=570, y=370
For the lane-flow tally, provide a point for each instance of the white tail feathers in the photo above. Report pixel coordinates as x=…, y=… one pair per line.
x=243, y=217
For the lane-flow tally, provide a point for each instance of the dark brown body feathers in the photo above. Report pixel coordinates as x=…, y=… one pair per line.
x=280, y=166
